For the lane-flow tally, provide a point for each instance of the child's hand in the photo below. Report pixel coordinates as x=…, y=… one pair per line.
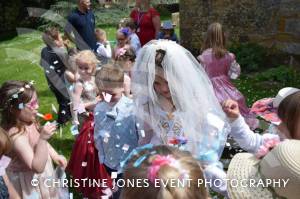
x=61, y=161
x=47, y=131
x=231, y=108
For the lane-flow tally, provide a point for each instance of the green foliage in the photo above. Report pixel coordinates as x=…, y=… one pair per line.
x=267, y=83
x=249, y=55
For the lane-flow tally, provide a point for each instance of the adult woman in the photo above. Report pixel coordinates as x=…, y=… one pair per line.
x=147, y=20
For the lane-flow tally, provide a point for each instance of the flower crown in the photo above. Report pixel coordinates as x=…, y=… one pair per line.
x=15, y=94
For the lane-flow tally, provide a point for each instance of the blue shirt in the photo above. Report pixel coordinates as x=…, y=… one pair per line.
x=161, y=35
x=83, y=27
x=115, y=131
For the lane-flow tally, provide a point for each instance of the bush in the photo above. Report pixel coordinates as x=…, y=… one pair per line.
x=249, y=55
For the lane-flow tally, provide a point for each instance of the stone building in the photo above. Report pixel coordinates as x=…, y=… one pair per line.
x=268, y=22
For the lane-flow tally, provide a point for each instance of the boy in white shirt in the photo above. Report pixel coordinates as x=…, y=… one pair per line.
x=103, y=49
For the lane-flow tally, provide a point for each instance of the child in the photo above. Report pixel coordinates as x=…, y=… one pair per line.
x=103, y=48
x=115, y=128
x=84, y=161
x=289, y=128
x=177, y=105
x=217, y=62
x=276, y=175
x=31, y=154
x=122, y=42
x=6, y=188
x=54, y=61
x=84, y=96
x=126, y=62
x=167, y=32
x=133, y=38
x=164, y=163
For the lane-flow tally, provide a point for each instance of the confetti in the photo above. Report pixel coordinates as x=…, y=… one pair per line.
x=107, y=193
x=22, y=89
x=119, y=124
x=21, y=106
x=227, y=144
x=105, y=140
x=143, y=133
x=117, y=145
x=47, y=71
x=51, y=67
x=63, y=112
x=55, y=62
x=97, y=113
x=15, y=96
x=118, y=137
x=54, y=108
x=40, y=115
x=114, y=175
x=125, y=147
x=74, y=130
x=89, y=142
x=137, y=125
x=58, y=71
x=84, y=164
x=27, y=86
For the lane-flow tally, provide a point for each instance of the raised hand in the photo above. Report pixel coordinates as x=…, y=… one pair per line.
x=231, y=108
x=47, y=131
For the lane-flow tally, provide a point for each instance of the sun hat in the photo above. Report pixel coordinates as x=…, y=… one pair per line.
x=283, y=93
x=281, y=163
x=167, y=25
x=266, y=108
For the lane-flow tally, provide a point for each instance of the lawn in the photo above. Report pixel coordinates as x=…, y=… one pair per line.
x=20, y=61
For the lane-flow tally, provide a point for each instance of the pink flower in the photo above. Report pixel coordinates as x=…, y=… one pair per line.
x=156, y=164
x=267, y=146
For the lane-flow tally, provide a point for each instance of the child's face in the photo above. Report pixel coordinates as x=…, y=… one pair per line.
x=59, y=41
x=100, y=37
x=30, y=110
x=122, y=40
x=161, y=87
x=85, y=69
x=115, y=92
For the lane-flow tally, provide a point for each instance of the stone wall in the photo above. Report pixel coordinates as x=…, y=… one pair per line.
x=268, y=22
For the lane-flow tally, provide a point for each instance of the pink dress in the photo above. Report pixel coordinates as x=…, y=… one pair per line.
x=217, y=70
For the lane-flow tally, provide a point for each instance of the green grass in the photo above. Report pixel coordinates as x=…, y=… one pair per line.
x=20, y=61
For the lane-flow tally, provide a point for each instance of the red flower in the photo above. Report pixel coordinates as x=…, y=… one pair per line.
x=48, y=117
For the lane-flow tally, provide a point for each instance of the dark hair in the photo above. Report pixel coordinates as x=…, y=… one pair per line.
x=132, y=25
x=289, y=112
x=128, y=55
x=5, y=143
x=50, y=35
x=12, y=94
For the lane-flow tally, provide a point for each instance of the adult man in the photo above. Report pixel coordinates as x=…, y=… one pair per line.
x=81, y=22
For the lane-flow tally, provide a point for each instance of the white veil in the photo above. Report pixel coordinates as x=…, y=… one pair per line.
x=201, y=115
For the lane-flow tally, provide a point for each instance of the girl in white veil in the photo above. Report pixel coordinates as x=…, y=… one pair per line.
x=175, y=99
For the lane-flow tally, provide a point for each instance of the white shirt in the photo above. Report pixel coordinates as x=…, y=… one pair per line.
x=104, y=52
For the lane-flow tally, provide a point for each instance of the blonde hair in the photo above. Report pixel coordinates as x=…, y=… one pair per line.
x=101, y=32
x=86, y=56
x=186, y=162
x=109, y=76
x=216, y=40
